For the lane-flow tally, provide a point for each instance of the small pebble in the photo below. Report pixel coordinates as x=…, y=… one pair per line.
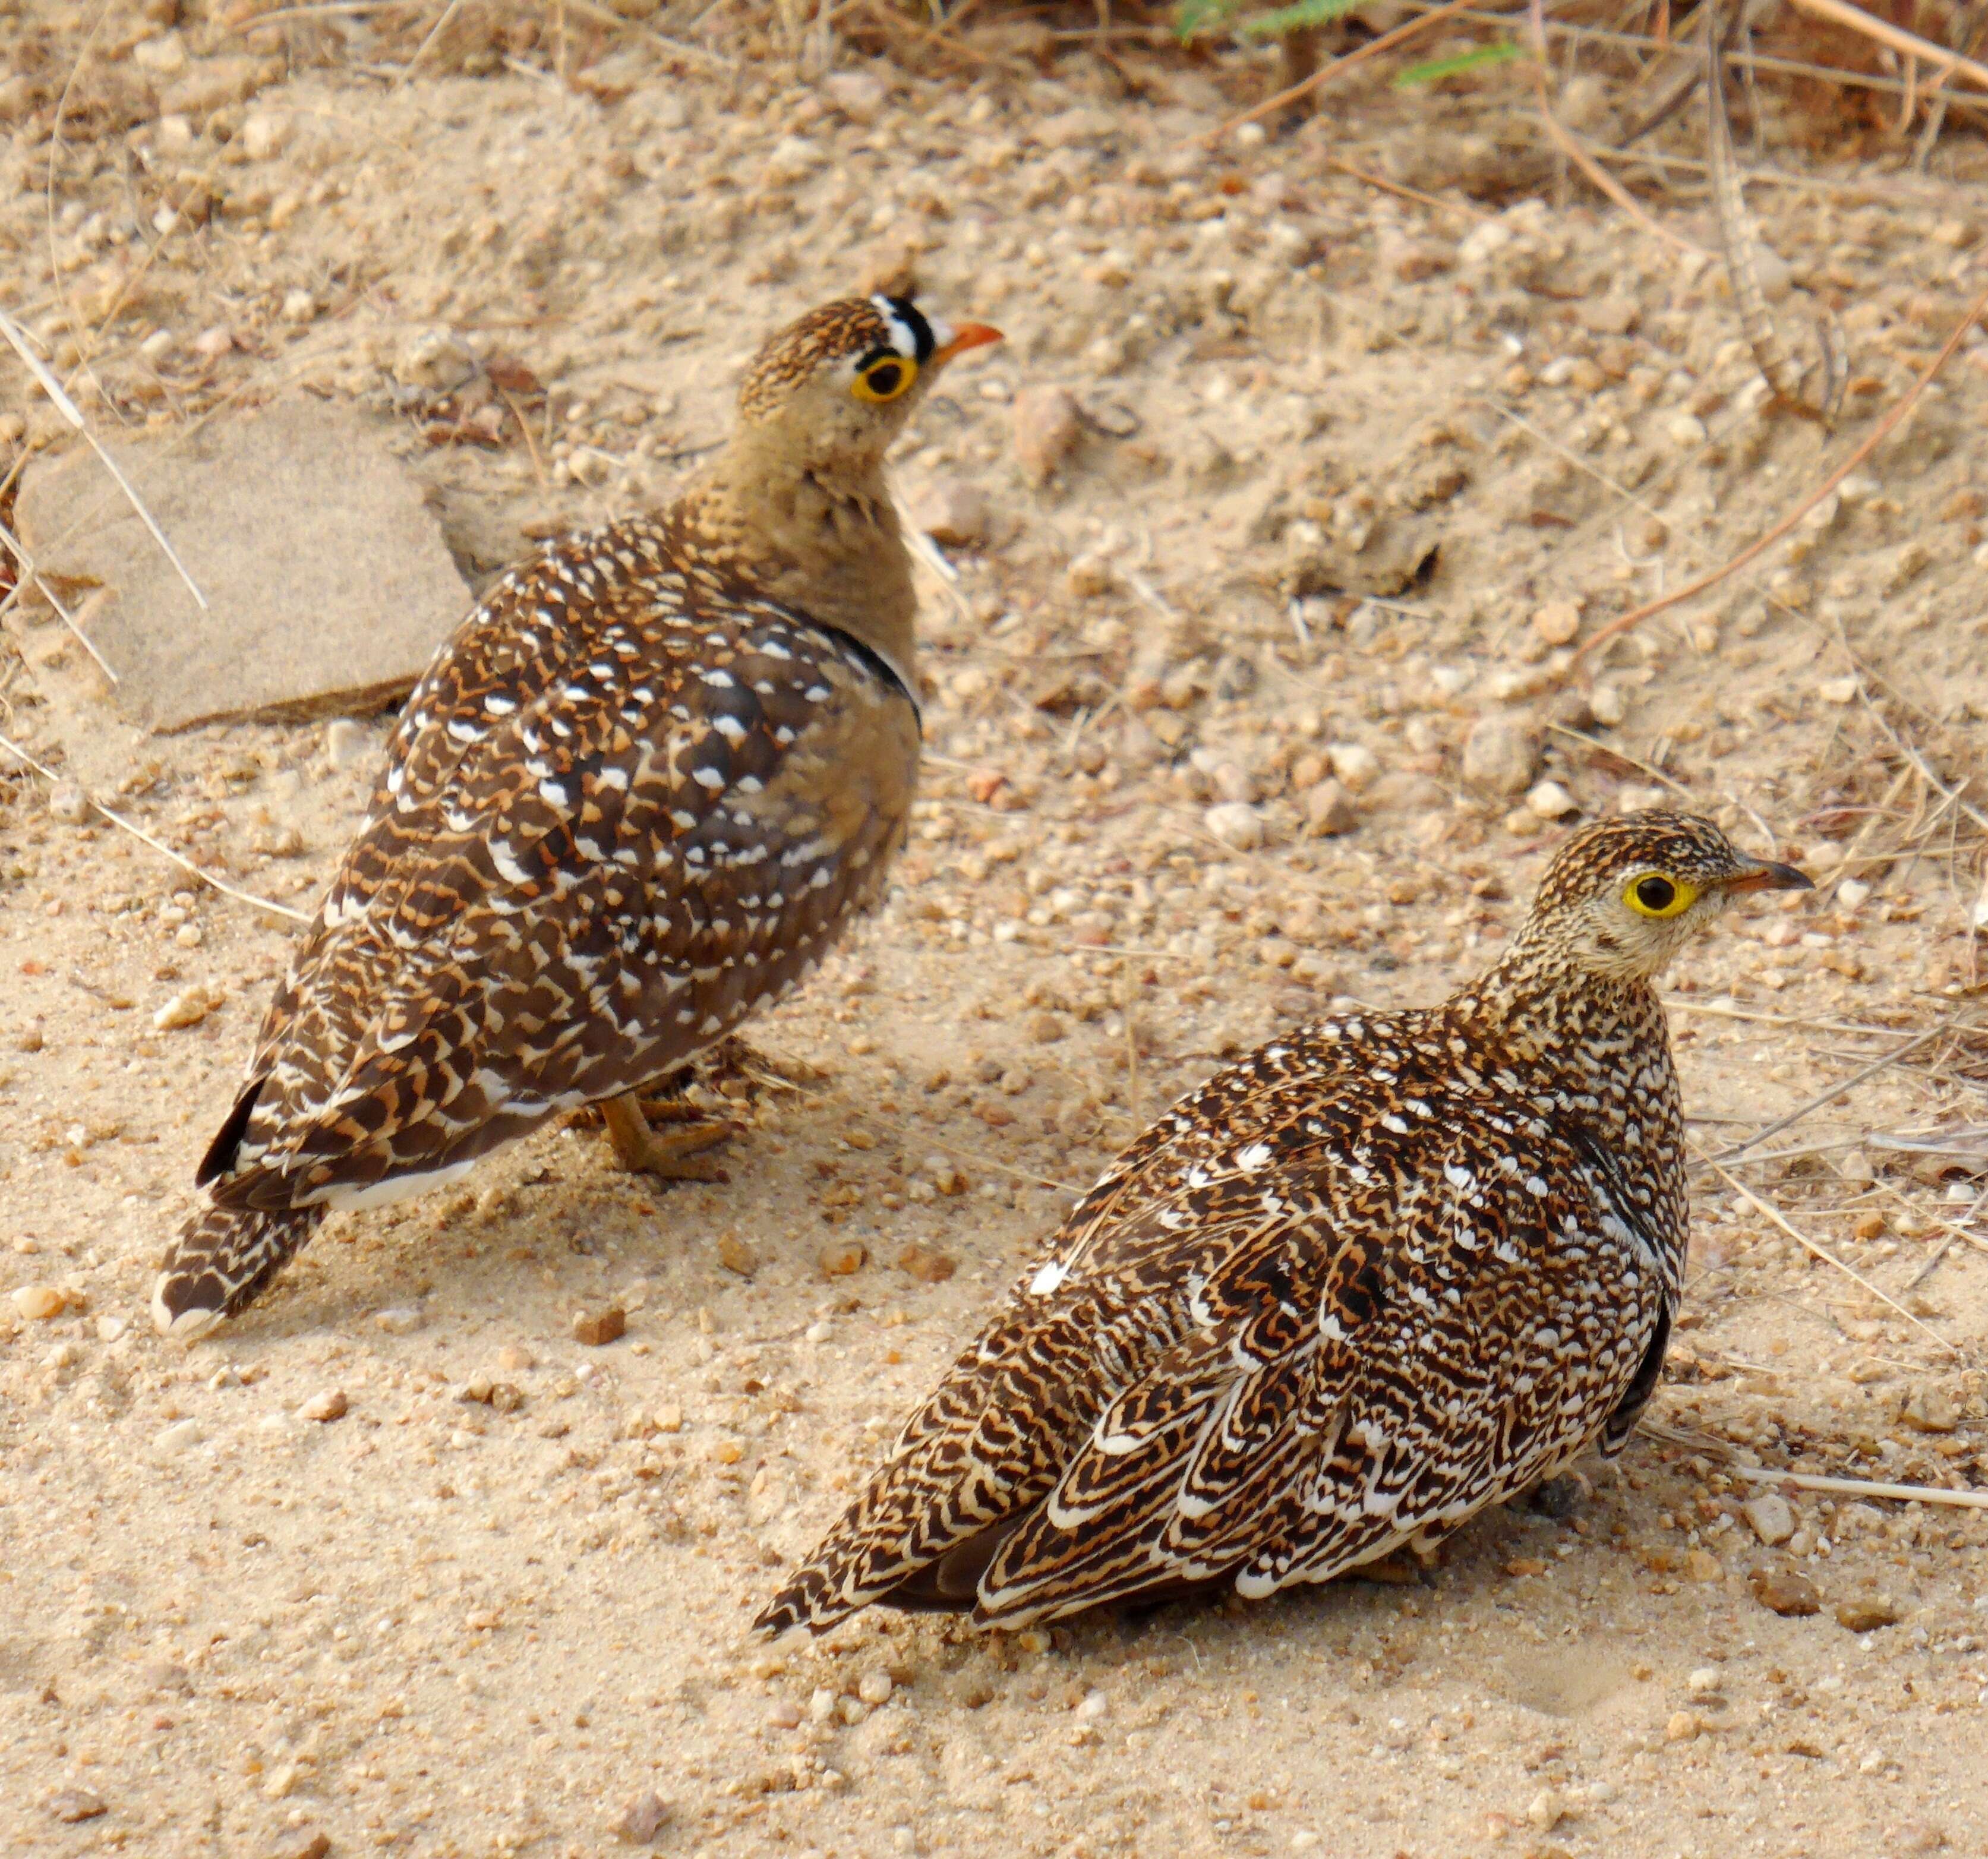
x=1546, y=1810
x=927, y=1264
x=302, y=1843
x=1046, y=429
x=329, y=1405
x=263, y=134
x=874, y=1689
x=74, y=1804
x=1329, y=808
x=187, y=1008
x=177, y=1438
x=39, y=1302
x=735, y=1254
x=953, y=514
x=514, y=1359
x=784, y=1714
x=1045, y=1029
x=1499, y=755
x=69, y=803
x=1551, y=801
x=1786, y=1593
x=1867, y=1615
x=1930, y=1410
x=1681, y=1728
x=843, y=1258
x=1356, y=765
x=1771, y=1517
x=1702, y=1565
x=299, y=305
x=595, y=1328
x=1704, y=1682
x=1235, y=823
x=346, y=742
x=642, y=1820
x=1557, y=622
x=397, y=1319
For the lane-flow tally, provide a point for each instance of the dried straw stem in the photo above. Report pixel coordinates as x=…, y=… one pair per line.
x=1906, y=44
x=1862, y=1488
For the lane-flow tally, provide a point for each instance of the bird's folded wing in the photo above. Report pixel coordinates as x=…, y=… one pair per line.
x=478, y=932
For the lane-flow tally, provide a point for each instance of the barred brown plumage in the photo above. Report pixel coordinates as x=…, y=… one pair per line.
x=1386, y=1270
x=636, y=795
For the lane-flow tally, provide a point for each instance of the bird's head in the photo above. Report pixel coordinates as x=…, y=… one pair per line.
x=835, y=387
x=1623, y=896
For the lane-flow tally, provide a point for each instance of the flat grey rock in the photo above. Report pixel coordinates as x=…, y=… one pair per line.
x=328, y=583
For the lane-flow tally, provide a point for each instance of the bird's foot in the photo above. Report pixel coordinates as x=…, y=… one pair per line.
x=1559, y=1497
x=676, y=1155
x=1396, y=1569
x=732, y=1058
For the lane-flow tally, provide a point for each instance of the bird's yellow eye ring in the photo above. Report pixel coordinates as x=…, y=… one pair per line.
x=885, y=378
x=1656, y=894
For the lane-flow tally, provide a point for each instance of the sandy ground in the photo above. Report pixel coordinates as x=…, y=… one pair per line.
x=498, y=1602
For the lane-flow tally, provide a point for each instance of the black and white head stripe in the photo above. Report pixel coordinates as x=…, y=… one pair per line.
x=910, y=334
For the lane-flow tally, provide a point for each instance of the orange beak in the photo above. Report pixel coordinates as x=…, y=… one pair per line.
x=967, y=336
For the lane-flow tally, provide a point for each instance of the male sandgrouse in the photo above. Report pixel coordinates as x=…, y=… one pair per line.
x=635, y=796
x=1386, y=1270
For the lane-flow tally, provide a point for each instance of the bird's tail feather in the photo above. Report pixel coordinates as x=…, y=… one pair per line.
x=222, y=1258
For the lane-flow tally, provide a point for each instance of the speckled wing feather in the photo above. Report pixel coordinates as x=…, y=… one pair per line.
x=1348, y=1293
x=625, y=805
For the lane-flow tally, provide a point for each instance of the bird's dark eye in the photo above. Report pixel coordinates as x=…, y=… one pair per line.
x=1656, y=894
x=883, y=379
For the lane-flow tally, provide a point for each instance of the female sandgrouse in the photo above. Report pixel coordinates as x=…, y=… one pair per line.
x=1383, y=1272
x=636, y=795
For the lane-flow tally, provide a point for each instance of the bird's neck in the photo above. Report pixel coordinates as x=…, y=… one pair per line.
x=1600, y=1043
x=821, y=538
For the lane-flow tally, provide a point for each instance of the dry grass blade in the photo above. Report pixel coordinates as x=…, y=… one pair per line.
x=1862, y=1488
x=1835, y=1091
x=1821, y=1252
x=68, y=409
x=28, y=572
x=1629, y=622
x=164, y=851
x=1739, y=236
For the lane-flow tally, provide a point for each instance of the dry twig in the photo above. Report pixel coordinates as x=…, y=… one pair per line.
x=1629, y=622
x=1822, y=1251
x=1339, y=67
x=165, y=851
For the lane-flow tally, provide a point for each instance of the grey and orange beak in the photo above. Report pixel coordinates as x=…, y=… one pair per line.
x=1760, y=874
x=957, y=341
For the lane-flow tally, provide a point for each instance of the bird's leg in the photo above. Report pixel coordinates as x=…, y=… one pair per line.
x=1559, y=1495
x=676, y=1157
